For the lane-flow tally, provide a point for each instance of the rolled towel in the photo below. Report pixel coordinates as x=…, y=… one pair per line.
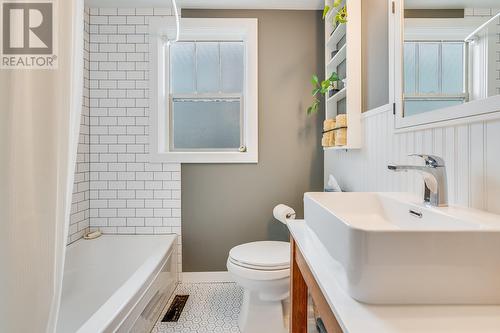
x=328, y=139
x=341, y=120
x=341, y=137
x=283, y=213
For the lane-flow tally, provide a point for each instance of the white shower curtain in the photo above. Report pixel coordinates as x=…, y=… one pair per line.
x=39, y=125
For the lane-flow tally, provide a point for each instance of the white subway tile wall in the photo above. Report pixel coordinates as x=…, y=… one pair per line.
x=80, y=207
x=128, y=195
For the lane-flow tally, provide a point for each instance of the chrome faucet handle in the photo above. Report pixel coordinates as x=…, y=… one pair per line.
x=432, y=161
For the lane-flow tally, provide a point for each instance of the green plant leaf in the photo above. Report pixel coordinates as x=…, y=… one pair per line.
x=337, y=3
x=314, y=106
x=315, y=80
x=316, y=91
x=334, y=77
x=325, y=11
x=341, y=16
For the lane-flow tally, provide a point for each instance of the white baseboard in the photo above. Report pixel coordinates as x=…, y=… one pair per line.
x=200, y=277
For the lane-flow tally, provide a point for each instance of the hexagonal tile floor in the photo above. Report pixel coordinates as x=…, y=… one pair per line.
x=211, y=307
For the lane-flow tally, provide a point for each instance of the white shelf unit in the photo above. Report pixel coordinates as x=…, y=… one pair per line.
x=341, y=94
x=350, y=95
x=337, y=34
x=338, y=148
x=337, y=59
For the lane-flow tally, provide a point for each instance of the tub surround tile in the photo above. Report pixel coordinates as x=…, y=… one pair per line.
x=116, y=189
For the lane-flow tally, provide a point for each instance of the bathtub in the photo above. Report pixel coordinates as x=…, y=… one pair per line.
x=117, y=283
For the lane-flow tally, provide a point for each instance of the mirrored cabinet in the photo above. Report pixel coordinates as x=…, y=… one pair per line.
x=447, y=61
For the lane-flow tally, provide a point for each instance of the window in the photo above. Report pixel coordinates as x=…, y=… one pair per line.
x=206, y=90
x=434, y=75
x=204, y=103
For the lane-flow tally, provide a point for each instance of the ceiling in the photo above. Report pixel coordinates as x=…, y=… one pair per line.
x=212, y=4
x=451, y=4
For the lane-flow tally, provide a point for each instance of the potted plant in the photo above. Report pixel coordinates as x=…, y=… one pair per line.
x=322, y=88
x=340, y=15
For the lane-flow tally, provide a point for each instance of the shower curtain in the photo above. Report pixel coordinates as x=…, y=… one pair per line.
x=39, y=126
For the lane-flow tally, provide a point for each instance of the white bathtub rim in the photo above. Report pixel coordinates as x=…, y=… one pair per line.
x=108, y=313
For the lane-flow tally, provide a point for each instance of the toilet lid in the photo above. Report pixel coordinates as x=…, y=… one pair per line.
x=265, y=255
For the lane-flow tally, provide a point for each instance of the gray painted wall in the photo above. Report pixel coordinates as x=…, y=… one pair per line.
x=375, y=54
x=224, y=205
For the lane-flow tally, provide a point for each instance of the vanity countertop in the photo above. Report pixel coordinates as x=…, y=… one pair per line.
x=356, y=317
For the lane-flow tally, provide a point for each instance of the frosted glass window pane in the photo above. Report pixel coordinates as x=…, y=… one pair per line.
x=232, y=66
x=208, y=68
x=182, y=67
x=412, y=108
x=409, y=68
x=428, y=69
x=453, y=68
x=206, y=125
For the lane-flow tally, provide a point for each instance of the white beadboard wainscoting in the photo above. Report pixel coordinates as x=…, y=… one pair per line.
x=471, y=152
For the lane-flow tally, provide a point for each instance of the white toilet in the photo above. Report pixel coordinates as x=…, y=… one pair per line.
x=262, y=269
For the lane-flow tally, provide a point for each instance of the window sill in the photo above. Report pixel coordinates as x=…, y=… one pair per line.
x=474, y=111
x=204, y=157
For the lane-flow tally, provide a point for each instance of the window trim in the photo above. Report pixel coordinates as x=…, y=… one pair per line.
x=201, y=29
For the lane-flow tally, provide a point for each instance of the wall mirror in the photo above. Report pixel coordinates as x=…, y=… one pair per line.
x=447, y=61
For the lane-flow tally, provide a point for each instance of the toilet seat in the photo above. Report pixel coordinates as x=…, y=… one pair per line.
x=262, y=256
x=256, y=274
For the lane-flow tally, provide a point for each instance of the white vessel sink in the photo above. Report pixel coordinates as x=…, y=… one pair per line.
x=393, y=250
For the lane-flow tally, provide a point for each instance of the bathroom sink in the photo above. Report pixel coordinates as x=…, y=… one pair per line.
x=393, y=250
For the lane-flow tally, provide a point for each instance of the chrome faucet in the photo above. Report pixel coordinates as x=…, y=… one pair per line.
x=435, y=183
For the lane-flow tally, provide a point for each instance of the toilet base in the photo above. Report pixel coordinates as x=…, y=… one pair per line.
x=259, y=316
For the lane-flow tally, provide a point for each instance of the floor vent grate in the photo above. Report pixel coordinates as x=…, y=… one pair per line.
x=175, y=309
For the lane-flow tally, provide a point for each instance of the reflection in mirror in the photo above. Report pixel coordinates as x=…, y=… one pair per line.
x=451, y=53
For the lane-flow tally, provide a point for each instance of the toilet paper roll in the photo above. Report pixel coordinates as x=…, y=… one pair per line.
x=283, y=212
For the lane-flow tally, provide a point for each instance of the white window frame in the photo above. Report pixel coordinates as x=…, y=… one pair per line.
x=201, y=29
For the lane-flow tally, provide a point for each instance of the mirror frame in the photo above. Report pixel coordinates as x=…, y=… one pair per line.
x=474, y=111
